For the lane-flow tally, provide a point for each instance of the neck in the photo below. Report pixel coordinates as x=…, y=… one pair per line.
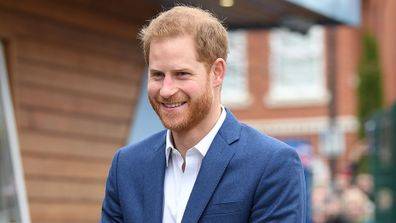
x=186, y=139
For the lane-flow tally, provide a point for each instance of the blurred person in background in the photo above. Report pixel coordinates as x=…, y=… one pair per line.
x=334, y=210
x=365, y=182
x=357, y=206
x=319, y=195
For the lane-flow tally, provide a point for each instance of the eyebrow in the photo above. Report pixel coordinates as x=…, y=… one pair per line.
x=154, y=70
x=173, y=71
x=183, y=70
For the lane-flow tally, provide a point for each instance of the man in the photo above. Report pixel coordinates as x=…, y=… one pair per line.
x=206, y=167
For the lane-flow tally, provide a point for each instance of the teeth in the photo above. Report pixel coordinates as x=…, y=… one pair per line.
x=173, y=105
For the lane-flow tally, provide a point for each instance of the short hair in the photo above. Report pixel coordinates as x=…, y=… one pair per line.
x=210, y=36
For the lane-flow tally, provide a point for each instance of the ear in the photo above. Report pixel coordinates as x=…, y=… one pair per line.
x=218, y=71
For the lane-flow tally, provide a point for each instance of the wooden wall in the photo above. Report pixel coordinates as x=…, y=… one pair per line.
x=75, y=71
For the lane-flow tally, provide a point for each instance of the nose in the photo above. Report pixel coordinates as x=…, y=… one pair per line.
x=168, y=87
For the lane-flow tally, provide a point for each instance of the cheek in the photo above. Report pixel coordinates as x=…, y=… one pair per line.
x=197, y=88
x=152, y=88
x=192, y=91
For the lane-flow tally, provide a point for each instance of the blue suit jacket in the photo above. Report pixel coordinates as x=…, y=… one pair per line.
x=245, y=177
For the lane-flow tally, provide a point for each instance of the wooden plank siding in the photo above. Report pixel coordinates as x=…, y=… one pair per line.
x=75, y=73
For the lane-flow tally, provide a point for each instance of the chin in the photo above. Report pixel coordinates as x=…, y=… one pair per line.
x=176, y=125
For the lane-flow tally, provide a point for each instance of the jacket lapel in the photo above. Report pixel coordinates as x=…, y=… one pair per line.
x=212, y=169
x=153, y=186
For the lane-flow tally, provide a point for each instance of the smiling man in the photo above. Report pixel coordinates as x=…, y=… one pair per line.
x=207, y=166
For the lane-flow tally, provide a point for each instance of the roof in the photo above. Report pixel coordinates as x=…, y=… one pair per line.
x=252, y=14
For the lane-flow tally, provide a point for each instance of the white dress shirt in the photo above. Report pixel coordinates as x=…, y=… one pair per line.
x=178, y=184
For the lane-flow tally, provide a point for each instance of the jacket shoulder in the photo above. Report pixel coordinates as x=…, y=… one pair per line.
x=258, y=139
x=143, y=148
x=259, y=146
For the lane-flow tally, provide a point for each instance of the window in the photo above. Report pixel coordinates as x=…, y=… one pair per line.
x=235, y=87
x=13, y=204
x=296, y=67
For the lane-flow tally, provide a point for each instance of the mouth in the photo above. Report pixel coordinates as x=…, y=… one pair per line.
x=172, y=105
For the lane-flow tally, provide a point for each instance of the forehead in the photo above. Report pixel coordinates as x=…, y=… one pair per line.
x=185, y=40
x=174, y=49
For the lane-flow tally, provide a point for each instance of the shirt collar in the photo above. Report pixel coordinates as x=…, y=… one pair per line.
x=203, y=145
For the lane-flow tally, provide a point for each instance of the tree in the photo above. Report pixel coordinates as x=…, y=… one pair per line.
x=370, y=82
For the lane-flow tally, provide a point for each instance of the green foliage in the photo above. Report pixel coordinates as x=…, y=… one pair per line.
x=370, y=82
x=364, y=164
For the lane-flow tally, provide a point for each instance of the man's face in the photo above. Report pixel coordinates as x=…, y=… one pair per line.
x=179, y=86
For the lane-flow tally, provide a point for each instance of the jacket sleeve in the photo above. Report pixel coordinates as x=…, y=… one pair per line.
x=280, y=195
x=111, y=209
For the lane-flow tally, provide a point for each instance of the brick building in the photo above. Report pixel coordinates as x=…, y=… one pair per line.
x=291, y=100
x=298, y=106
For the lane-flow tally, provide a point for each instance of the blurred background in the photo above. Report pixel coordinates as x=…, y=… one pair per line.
x=318, y=75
